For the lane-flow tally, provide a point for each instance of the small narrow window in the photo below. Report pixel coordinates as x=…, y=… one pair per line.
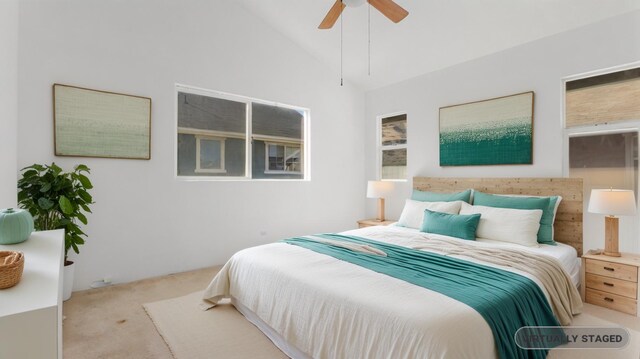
x=392, y=147
x=210, y=155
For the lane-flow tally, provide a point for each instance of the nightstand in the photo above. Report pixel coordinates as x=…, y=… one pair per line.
x=611, y=282
x=373, y=222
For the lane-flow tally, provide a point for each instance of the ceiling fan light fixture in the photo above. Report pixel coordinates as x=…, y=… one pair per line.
x=388, y=8
x=354, y=3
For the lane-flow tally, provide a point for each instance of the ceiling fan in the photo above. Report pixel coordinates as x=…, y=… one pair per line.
x=388, y=8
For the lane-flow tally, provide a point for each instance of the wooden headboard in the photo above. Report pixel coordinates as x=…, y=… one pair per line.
x=568, y=224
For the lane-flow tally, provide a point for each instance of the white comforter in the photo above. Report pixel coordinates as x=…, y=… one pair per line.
x=329, y=308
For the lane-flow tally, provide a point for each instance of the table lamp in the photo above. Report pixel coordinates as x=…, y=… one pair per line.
x=612, y=202
x=379, y=190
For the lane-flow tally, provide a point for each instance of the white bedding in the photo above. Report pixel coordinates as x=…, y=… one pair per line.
x=334, y=309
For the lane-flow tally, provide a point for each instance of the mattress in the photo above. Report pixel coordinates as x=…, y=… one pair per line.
x=336, y=300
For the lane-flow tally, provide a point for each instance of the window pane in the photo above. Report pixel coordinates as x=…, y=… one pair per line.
x=211, y=113
x=394, y=130
x=210, y=116
x=292, y=159
x=606, y=161
x=275, y=124
x=210, y=154
x=606, y=98
x=276, y=158
x=394, y=164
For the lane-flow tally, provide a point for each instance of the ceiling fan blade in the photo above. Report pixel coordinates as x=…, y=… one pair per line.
x=390, y=9
x=332, y=15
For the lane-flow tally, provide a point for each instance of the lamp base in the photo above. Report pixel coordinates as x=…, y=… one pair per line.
x=380, y=210
x=611, y=236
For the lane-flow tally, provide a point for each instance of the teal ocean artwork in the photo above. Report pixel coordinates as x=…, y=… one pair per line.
x=491, y=132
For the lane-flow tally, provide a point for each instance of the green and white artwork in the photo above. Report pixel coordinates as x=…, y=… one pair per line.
x=92, y=123
x=491, y=132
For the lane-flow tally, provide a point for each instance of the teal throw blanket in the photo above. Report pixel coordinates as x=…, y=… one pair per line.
x=507, y=301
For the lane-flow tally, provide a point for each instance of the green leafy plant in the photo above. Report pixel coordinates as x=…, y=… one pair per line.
x=57, y=200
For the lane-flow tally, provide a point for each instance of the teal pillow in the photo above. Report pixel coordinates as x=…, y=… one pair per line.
x=425, y=196
x=453, y=225
x=546, y=204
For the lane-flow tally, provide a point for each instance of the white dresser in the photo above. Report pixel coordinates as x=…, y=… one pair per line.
x=31, y=311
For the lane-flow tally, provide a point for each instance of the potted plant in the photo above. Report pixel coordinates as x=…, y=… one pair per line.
x=58, y=200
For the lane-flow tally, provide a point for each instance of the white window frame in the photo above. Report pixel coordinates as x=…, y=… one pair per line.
x=380, y=147
x=587, y=130
x=222, y=168
x=590, y=130
x=285, y=144
x=305, y=144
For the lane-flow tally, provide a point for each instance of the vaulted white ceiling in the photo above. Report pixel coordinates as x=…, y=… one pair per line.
x=435, y=35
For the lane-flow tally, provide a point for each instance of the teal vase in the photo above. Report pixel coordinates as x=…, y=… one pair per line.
x=16, y=225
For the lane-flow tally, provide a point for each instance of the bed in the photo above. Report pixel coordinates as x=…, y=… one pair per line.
x=314, y=305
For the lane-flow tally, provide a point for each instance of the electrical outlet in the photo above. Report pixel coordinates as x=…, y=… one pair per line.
x=105, y=282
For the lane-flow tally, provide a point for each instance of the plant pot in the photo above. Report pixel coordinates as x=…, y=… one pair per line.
x=67, y=279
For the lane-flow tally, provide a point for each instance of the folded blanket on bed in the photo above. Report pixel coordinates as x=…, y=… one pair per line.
x=506, y=300
x=563, y=295
x=364, y=248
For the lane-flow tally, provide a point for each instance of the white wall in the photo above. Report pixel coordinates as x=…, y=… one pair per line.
x=8, y=101
x=145, y=222
x=538, y=66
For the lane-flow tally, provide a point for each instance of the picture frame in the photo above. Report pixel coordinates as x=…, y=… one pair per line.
x=496, y=131
x=103, y=124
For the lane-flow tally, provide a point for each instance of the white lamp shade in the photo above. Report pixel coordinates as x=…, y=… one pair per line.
x=379, y=189
x=612, y=202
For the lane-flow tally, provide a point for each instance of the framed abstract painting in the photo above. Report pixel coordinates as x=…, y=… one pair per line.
x=497, y=131
x=93, y=123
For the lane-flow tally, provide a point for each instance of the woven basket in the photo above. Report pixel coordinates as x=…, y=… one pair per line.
x=11, y=266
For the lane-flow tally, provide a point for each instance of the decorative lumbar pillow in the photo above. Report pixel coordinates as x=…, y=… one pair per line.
x=413, y=211
x=441, y=197
x=452, y=225
x=517, y=226
x=546, y=204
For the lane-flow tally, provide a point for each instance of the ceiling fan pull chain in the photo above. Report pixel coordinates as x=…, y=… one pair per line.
x=341, y=51
x=369, y=34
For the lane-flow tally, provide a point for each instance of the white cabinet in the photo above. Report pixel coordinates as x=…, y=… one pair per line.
x=31, y=311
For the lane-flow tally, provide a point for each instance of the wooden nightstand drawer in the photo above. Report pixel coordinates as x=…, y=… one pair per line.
x=612, y=301
x=613, y=270
x=612, y=285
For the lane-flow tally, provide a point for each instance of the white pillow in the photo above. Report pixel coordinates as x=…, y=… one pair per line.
x=555, y=209
x=517, y=226
x=413, y=211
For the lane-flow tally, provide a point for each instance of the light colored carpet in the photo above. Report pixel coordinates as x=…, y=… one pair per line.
x=111, y=323
x=223, y=332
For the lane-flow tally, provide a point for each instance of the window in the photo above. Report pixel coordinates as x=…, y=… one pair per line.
x=222, y=136
x=209, y=155
x=283, y=158
x=611, y=97
x=601, y=123
x=606, y=160
x=392, y=146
